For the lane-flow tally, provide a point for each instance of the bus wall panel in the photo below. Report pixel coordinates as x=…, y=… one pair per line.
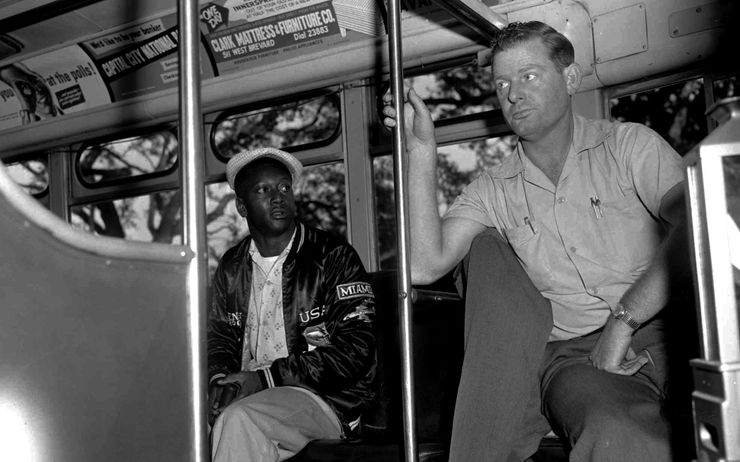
x=93, y=352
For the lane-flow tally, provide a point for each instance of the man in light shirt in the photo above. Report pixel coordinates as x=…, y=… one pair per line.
x=290, y=325
x=562, y=308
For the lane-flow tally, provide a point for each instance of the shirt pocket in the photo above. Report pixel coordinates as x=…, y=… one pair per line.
x=527, y=243
x=632, y=234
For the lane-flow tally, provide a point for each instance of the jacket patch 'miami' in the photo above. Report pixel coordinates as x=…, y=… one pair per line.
x=354, y=289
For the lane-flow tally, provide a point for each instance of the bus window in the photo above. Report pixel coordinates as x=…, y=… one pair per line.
x=320, y=198
x=225, y=227
x=457, y=165
x=675, y=111
x=313, y=121
x=32, y=175
x=152, y=154
x=151, y=217
x=725, y=88
x=455, y=92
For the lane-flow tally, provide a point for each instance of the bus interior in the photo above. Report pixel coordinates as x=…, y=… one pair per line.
x=117, y=118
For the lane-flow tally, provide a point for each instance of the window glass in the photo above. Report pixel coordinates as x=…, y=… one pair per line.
x=32, y=175
x=127, y=158
x=320, y=199
x=152, y=218
x=456, y=92
x=731, y=168
x=314, y=120
x=224, y=226
x=725, y=88
x=457, y=165
x=676, y=112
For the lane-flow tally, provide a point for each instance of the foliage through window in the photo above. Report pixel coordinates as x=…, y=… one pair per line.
x=151, y=218
x=457, y=165
x=725, y=88
x=128, y=158
x=455, y=92
x=297, y=123
x=675, y=111
x=32, y=175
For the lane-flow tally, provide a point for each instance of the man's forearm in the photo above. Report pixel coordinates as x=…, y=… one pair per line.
x=425, y=224
x=650, y=293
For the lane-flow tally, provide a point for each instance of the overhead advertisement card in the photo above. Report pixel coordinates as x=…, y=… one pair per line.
x=48, y=86
x=140, y=59
x=245, y=32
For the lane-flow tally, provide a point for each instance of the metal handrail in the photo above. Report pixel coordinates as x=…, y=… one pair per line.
x=482, y=20
x=404, y=273
x=193, y=215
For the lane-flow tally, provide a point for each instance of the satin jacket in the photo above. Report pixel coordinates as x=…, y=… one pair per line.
x=328, y=310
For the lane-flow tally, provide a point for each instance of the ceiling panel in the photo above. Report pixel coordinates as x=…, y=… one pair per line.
x=83, y=22
x=111, y=13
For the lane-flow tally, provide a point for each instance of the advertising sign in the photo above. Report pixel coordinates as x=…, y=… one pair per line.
x=264, y=31
x=48, y=86
x=140, y=59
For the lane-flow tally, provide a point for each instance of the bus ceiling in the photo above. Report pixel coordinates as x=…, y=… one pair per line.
x=476, y=15
x=111, y=65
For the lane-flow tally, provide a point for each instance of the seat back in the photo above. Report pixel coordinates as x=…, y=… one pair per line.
x=437, y=356
x=94, y=342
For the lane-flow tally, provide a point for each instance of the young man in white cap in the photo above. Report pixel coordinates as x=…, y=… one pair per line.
x=290, y=324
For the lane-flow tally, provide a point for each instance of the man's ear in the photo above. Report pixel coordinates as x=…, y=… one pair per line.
x=573, y=75
x=240, y=207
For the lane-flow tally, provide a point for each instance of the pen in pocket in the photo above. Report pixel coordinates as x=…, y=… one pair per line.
x=531, y=226
x=596, y=205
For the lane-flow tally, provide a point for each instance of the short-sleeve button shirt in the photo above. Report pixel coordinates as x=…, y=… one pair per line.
x=584, y=241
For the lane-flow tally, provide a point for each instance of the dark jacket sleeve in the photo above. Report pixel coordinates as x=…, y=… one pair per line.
x=223, y=328
x=344, y=336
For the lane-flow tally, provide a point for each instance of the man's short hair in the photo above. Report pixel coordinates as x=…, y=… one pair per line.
x=561, y=49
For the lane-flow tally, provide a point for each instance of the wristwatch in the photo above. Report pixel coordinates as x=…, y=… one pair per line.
x=623, y=315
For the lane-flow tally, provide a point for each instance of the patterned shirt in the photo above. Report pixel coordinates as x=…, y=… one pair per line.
x=264, y=331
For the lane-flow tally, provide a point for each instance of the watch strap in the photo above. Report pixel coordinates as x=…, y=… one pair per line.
x=624, y=315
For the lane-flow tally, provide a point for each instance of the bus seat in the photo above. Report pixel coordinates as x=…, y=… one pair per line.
x=438, y=325
x=437, y=331
x=94, y=342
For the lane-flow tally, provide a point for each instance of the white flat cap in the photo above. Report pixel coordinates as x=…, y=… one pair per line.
x=241, y=159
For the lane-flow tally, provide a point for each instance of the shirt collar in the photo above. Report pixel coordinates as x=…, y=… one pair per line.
x=253, y=247
x=585, y=136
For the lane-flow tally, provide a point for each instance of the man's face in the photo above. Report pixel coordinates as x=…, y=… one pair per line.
x=265, y=198
x=533, y=93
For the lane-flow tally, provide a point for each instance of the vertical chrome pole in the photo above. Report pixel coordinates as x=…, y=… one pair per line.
x=193, y=213
x=404, y=273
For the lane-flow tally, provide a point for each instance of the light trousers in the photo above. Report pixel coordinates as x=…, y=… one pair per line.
x=272, y=425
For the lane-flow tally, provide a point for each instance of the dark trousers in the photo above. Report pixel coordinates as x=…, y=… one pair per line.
x=515, y=386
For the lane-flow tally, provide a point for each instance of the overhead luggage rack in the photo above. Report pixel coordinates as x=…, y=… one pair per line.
x=476, y=15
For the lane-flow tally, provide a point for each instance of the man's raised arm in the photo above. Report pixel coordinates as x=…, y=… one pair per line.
x=436, y=246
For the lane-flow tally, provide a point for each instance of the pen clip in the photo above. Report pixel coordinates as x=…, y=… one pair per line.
x=528, y=222
x=596, y=205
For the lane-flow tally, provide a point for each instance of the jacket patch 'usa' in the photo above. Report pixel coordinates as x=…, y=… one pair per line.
x=354, y=289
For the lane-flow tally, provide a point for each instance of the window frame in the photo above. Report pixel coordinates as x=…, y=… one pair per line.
x=140, y=133
x=332, y=92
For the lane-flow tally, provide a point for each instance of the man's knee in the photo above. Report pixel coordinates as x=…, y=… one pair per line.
x=634, y=431
x=624, y=418
x=237, y=413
